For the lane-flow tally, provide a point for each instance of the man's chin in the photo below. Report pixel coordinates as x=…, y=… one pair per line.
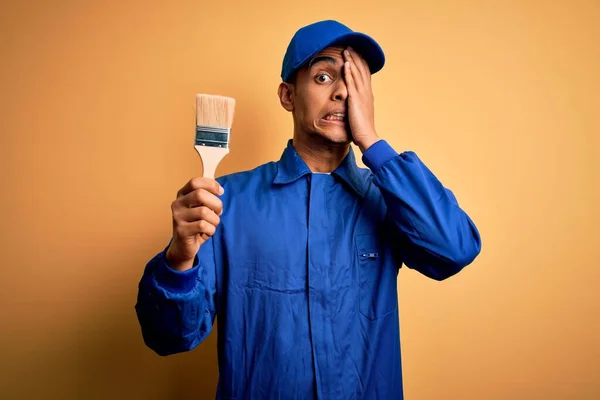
x=337, y=136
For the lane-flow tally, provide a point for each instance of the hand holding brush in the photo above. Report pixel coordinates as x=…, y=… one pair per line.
x=197, y=208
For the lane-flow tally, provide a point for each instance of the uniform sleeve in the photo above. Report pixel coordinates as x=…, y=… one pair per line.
x=176, y=310
x=436, y=237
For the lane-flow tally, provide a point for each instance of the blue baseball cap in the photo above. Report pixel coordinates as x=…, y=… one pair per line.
x=310, y=40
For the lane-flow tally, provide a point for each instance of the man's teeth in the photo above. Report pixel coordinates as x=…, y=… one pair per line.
x=335, y=117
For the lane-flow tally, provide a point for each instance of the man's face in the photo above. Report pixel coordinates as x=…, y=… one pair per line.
x=319, y=98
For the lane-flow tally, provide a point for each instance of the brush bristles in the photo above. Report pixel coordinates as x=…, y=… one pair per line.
x=217, y=111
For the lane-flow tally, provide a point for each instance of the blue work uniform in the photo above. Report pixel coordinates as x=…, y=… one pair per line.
x=302, y=275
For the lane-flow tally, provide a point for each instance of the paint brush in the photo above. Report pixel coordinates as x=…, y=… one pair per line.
x=214, y=118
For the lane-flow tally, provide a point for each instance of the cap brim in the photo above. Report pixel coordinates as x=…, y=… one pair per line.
x=365, y=45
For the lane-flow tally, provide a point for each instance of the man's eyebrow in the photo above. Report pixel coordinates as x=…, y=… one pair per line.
x=319, y=59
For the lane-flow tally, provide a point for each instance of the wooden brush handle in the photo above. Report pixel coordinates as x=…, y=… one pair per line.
x=211, y=157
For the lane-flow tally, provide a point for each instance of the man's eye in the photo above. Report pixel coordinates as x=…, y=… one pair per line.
x=322, y=78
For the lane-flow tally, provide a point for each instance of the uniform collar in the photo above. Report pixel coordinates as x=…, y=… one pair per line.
x=292, y=167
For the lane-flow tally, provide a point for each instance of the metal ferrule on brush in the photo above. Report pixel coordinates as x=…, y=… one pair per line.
x=212, y=136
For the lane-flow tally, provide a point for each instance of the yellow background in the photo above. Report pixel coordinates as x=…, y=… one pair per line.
x=500, y=99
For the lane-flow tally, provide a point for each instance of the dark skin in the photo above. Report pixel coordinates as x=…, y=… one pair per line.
x=338, y=81
x=335, y=80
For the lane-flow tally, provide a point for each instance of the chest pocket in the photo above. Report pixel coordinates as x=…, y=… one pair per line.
x=377, y=278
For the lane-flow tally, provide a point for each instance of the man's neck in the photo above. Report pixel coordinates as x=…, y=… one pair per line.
x=320, y=156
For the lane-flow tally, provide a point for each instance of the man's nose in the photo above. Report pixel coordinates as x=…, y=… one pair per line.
x=340, y=93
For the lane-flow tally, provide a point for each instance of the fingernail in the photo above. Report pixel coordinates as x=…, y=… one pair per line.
x=221, y=213
x=221, y=190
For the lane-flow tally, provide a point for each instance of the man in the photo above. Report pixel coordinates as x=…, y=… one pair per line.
x=299, y=258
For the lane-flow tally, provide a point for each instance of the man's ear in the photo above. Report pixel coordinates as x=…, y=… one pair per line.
x=286, y=95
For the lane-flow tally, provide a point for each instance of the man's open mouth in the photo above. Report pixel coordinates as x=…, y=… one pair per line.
x=335, y=117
